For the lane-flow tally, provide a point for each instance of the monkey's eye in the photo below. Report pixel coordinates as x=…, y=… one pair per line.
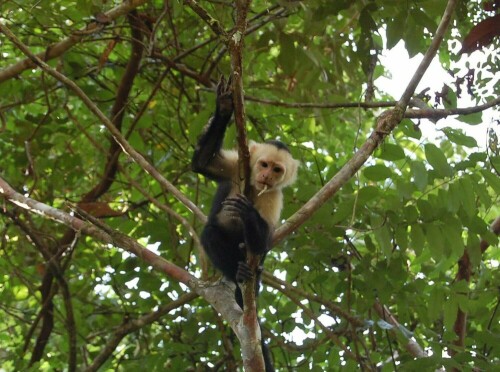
x=263, y=164
x=277, y=170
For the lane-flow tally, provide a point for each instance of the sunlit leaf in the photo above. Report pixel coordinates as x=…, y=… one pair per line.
x=438, y=160
x=377, y=172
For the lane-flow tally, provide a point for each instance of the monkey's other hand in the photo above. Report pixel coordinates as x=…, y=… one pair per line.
x=244, y=273
x=239, y=206
x=224, y=102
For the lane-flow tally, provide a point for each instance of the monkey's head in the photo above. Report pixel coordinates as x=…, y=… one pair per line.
x=273, y=166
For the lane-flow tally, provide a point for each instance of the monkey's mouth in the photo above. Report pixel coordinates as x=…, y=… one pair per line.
x=262, y=186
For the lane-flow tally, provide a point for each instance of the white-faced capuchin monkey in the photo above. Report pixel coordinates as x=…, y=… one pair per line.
x=237, y=223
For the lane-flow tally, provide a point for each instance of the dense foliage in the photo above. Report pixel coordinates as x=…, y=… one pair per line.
x=394, y=256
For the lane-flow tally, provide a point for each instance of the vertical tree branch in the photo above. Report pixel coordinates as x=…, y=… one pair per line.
x=249, y=325
x=236, y=44
x=464, y=273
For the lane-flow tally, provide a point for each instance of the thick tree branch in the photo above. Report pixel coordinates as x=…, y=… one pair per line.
x=109, y=236
x=249, y=326
x=219, y=295
x=57, y=49
x=385, y=125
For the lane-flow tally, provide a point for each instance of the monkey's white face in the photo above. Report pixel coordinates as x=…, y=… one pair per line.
x=268, y=174
x=272, y=168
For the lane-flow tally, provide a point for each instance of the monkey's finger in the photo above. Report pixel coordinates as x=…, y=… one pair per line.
x=239, y=200
x=229, y=82
x=231, y=201
x=221, y=85
x=244, y=272
x=233, y=213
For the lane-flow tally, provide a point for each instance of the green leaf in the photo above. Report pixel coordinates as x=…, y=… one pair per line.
x=417, y=239
x=436, y=300
x=471, y=119
x=411, y=214
x=378, y=172
x=435, y=240
x=287, y=57
x=367, y=193
x=438, y=160
x=450, y=309
x=452, y=231
x=492, y=179
x=495, y=162
x=391, y=152
x=458, y=137
x=394, y=34
x=410, y=129
x=401, y=235
x=468, y=197
x=454, y=199
x=419, y=173
x=382, y=234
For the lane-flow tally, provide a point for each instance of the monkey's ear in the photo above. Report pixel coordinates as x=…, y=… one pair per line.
x=252, y=146
x=291, y=173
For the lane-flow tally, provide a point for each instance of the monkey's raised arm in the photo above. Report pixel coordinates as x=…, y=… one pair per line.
x=208, y=158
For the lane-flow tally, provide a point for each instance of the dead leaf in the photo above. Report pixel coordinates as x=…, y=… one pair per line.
x=481, y=34
x=99, y=209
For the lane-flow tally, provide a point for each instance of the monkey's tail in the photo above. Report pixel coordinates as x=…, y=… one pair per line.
x=266, y=353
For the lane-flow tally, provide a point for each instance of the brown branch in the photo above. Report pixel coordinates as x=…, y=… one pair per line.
x=134, y=325
x=411, y=346
x=384, y=126
x=281, y=12
x=54, y=268
x=57, y=49
x=425, y=113
x=48, y=291
x=102, y=233
x=293, y=295
x=249, y=327
x=464, y=273
x=428, y=56
x=303, y=105
x=213, y=23
x=119, y=107
x=429, y=113
x=47, y=314
x=280, y=285
x=219, y=295
x=183, y=69
x=129, y=150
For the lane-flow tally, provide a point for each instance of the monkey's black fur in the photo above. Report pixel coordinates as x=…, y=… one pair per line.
x=233, y=223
